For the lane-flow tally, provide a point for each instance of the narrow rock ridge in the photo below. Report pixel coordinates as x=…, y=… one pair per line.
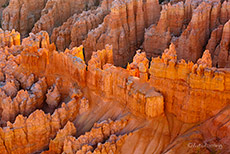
x=76, y=28
x=99, y=133
x=56, y=12
x=21, y=15
x=56, y=145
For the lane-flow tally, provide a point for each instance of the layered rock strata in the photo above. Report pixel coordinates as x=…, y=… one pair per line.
x=192, y=77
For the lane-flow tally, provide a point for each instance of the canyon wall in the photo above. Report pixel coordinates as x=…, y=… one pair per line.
x=21, y=15
x=123, y=28
x=76, y=28
x=128, y=26
x=185, y=23
x=41, y=15
x=204, y=89
x=57, y=12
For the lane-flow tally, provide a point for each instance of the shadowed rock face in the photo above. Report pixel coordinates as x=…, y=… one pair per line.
x=92, y=23
x=62, y=90
x=193, y=27
x=128, y=25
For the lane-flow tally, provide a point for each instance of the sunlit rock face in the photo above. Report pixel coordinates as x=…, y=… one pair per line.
x=115, y=76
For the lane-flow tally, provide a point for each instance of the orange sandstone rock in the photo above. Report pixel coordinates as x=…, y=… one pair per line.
x=52, y=16
x=224, y=48
x=182, y=82
x=56, y=145
x=98, y=133
x=171, y=22
x=9, y=39
x=76, y=28
x=123, y=28
x=206, y=59
x=32, y=134
x=22, y=15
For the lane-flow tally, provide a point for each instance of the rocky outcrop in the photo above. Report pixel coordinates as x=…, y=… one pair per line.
x=113, y=144
x=39, y=40
x=98, y=76
x=224, y=12
x=44, y=58
x=187, y=47
x=123, y=28
x=128, y=25
x=195, y=85
x=22, y=102
x=9, y=38
x=76, y=28
x=53, y=97
x=218, y=45
x=20, y=93
x=56, y=145
x=53, y=15
x=32, y=134
x=185, y=23
x=139, y=97
x=100, y=132
x=139, y=66
x=104, y=79
x=171, y=23
x=222, y=50
x=214, y=41
x=21, y=15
